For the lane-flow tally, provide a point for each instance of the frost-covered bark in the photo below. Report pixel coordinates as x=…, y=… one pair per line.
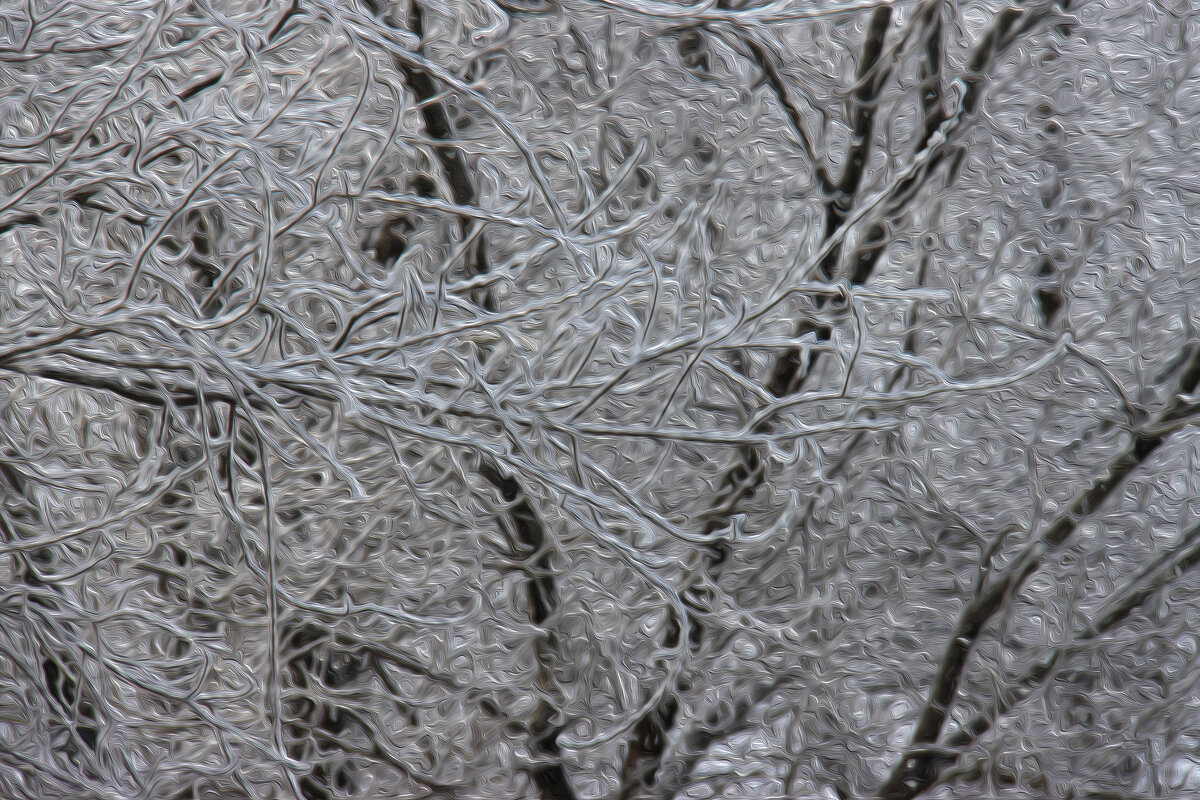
x=598, y=399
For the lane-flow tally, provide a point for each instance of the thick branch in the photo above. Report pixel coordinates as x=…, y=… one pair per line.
x=522, y=523
x=913, y=775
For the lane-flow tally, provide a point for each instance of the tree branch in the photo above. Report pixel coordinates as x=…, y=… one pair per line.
x=915, y=774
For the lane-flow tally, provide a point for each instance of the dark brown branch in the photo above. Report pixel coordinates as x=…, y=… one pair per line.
x=928, y=764
x=521, y=522
x=291, y=11
x=1008, y=26
x=646, y=749
x=129, y=385
x=791, y=368
x=441, y=130
x=932, y=107
x=768, y=60
x=862, y=121
x=650, y=734
x=915, y=774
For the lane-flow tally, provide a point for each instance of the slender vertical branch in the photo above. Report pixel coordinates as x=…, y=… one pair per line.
x=871, y=74
x=769, y=60
x=523, y=523
x=441, y=132
x=790, y=369
x=932, y=106
x=273, y=665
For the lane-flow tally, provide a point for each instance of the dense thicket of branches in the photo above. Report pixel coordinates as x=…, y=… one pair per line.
x=599, y=399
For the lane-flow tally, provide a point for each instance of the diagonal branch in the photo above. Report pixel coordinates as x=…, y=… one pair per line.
x=914, y=774
x=769, y=60
x=1008, y=27
x=649, y=746
x=871, y=74
x=791, y=369
x=1166, y=567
